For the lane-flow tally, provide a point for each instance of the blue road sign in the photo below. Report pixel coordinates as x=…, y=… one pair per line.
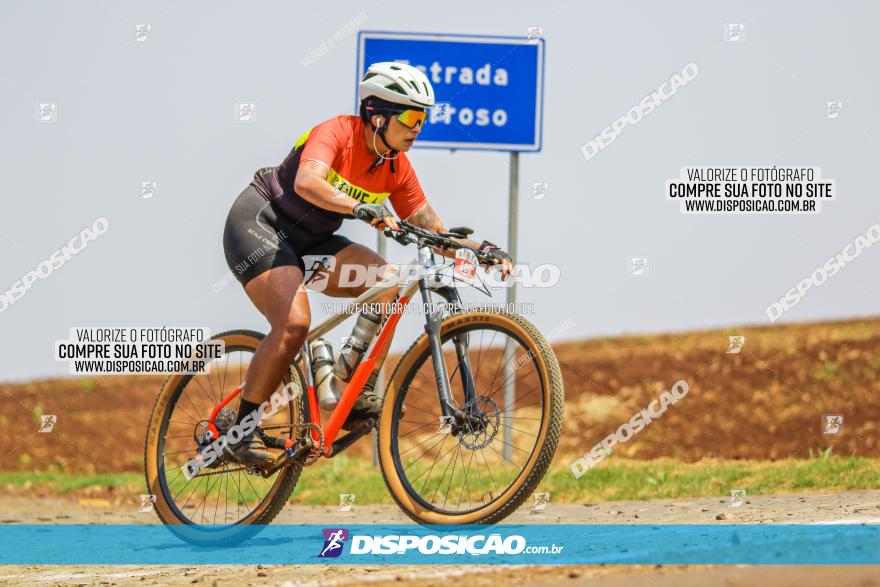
x=489, y=90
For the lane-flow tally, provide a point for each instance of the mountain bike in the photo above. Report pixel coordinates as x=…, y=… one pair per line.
x=470, y=420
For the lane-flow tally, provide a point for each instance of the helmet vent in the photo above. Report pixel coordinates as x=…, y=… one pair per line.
x=394, y=87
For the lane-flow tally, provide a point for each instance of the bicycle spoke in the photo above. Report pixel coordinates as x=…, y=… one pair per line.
x=207, y=395
x=480, y=355
x=218, y=501
x=416, y=429
x=420, y=409
x=440, y=484
x=520, y=431
x=179, y=452
x=194, y=419
x=497, y=369
x=426, y=471
x=421, y=443
x=504, y=383
x=521, y=396
x=451, y=475
x=226, y=500
x=183, y=436
x=209, y=485
x=177, y=474
x=489, y=470
x=501, y=458
x=223, y=376
x=248, y=479
x=219, y=381
x=190, y=495
x=466, y=486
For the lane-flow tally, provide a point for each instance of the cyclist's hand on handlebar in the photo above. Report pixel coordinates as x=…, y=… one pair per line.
x=376, y=215
x=499, y=257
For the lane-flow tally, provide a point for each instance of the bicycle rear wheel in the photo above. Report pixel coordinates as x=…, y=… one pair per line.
x=482, y=466
x=228, y=503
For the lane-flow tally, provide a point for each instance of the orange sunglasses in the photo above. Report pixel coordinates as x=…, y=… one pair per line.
x=410, y=118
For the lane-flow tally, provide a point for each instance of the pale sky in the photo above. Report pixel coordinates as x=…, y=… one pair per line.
x=163, y=110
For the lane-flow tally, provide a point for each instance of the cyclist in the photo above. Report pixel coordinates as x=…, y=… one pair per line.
x=344, y=167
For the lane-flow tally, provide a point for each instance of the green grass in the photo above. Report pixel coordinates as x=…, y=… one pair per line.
x=610, y=480
x=667, y=479
x=69, y=482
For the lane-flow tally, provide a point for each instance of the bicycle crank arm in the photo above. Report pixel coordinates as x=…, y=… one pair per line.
x=294, y=453
x=352, y=437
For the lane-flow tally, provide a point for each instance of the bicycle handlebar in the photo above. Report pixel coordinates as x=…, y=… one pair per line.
x=409, y=234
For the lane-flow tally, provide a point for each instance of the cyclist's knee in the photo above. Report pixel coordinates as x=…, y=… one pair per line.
x=381, y=274
x=387, y=273
x=292, y=331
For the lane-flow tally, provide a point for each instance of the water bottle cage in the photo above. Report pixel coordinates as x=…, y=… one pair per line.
x=320, y=379
x=317, y=364
x=357, y=345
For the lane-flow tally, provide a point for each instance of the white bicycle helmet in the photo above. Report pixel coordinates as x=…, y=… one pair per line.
x=398, y=83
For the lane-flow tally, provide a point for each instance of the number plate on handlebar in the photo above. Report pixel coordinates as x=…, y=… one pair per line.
x=465, y=264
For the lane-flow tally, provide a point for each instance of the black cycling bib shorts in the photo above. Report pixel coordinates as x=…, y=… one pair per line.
x=257, y=237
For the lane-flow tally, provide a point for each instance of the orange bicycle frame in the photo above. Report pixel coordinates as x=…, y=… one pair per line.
x=353, y=389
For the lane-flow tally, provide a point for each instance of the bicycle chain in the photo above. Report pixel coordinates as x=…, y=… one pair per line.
x=316, y=451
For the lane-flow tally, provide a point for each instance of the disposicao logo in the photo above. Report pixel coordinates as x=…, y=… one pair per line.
x=334, y=539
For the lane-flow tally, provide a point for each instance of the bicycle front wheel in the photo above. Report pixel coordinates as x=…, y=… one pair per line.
x=481, y=464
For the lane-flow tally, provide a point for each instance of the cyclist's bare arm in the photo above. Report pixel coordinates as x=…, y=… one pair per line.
x=425, y=217
x=311, y=183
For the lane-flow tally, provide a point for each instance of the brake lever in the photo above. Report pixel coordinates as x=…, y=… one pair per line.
x=398, y=235
x=485, y=258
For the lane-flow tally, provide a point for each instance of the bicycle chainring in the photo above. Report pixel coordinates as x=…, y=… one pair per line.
x=315, y=453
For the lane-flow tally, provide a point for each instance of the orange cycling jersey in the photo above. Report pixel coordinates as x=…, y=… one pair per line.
x=339, y=144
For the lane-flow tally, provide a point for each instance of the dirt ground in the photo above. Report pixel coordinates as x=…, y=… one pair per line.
x=854, y=507
x=765, y=402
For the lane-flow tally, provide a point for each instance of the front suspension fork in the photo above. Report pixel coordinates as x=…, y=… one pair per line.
x=432, y=329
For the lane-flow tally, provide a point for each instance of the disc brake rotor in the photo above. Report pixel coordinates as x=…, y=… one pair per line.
x=481, y=424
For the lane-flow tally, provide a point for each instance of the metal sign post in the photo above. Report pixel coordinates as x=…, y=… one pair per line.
x=509, y=349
